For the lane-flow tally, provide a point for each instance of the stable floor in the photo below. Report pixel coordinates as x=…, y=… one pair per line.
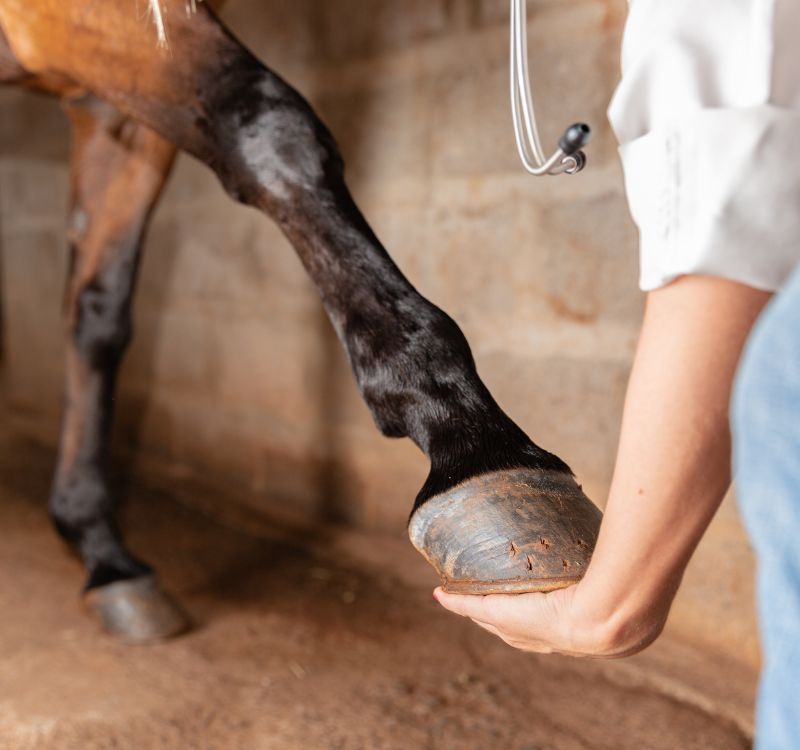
x=318, y=638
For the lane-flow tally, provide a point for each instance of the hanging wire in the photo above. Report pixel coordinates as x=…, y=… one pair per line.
x=526, y=132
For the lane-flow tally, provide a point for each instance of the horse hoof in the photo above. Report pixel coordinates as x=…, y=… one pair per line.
x=137, y=610
x=508, y=532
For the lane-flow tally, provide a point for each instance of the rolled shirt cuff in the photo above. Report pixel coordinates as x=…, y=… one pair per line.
x=717, y=193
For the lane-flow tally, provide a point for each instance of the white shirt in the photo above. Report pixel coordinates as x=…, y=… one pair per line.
x=707, y=115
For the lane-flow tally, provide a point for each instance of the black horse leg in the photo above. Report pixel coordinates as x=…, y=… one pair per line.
x=118, y=170
x=508, y=515
x=411, y=361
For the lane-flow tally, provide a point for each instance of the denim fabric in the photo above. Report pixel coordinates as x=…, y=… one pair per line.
x=766, y=429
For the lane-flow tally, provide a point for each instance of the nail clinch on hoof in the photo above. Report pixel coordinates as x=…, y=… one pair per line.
x=509, y=532
x=137, y=610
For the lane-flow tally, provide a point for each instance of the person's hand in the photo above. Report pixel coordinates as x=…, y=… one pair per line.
x=563, y=622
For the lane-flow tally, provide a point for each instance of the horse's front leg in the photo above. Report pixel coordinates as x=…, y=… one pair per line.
x=118, y=170
x=497, y=512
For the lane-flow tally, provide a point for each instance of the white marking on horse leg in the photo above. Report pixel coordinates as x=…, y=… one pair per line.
x=280, y=146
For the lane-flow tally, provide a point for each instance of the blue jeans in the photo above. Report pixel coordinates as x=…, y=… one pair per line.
x=766, y=430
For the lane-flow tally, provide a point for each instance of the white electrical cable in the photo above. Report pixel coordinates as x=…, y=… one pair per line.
x=526, y=132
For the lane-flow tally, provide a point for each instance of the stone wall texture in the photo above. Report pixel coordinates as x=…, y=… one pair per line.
x=235, y=375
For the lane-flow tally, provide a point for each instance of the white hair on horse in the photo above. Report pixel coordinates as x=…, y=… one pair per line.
x=158, y=13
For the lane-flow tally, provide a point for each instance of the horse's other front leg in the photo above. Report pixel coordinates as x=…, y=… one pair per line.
x=118, y=170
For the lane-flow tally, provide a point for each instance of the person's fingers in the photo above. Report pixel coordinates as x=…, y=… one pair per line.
x=523, y=613
x=533, y=617
x=523, y=644
x=473, y=607
x=492, y=608
x=535, y=622
x=487, y=626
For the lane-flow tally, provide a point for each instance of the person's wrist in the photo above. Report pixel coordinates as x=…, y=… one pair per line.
x=603, y=624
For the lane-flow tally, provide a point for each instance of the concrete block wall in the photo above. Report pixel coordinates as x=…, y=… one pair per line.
x=235, y=373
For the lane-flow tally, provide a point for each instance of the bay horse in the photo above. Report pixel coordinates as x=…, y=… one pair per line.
x=496, y=512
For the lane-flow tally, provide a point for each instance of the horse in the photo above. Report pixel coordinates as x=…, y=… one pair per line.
x=496, y=513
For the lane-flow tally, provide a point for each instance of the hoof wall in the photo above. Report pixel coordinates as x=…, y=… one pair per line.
x=509, y=532
x=137, y=610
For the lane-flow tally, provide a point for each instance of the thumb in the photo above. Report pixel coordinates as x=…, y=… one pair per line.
x=463, y=604
x=518, y=611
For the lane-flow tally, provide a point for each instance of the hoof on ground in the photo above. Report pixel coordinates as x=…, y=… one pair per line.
x=137, y=610
x=508, y=532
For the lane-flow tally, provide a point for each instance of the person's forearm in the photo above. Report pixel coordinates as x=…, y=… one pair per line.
x=673, y=463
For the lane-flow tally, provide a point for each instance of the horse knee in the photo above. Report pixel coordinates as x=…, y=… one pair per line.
x=101, y=329
x=269, y=143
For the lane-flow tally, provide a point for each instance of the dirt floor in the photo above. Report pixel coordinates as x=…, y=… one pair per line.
x=322, y=638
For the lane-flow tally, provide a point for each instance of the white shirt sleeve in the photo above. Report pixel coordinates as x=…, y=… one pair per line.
x=707, y=115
